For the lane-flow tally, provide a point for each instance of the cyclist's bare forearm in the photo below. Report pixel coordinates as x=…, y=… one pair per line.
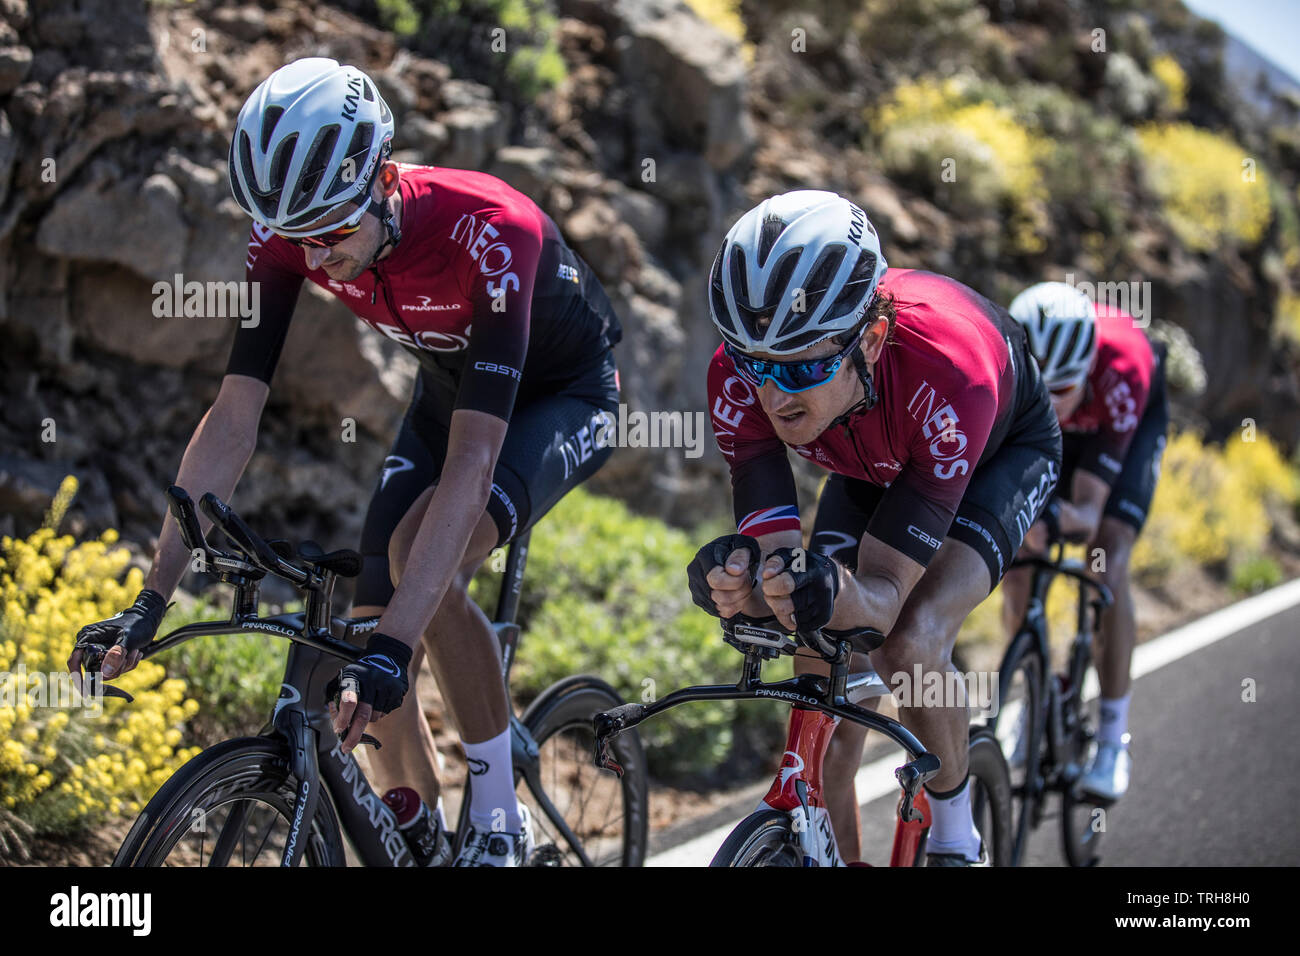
x=214, y=460
x=875, y=595
x=1081, y=515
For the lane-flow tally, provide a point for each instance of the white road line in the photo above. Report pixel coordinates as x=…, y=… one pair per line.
x=876, y=779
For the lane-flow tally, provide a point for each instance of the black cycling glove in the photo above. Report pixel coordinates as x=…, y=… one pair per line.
x=1051, y=517
x=713, y=555
x=815, y=587
x=378, y=678
x=132, y=629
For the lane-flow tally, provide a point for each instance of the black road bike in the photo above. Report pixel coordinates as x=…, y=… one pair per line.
x=289, y=795
x=1043, y=722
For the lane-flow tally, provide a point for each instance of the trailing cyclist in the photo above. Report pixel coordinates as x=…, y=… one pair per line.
x=921, y=398
x=514, y=338
x=1108, y=389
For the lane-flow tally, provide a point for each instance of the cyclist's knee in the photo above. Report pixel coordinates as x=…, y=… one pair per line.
x=1114, y=547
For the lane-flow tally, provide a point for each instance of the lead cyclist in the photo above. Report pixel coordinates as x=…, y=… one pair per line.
x=513, y=335
x=921, y=399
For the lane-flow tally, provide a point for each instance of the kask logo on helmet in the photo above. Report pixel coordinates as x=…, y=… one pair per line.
x=351, y=99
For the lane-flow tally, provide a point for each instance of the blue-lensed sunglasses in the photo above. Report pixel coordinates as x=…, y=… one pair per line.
x=789, y=377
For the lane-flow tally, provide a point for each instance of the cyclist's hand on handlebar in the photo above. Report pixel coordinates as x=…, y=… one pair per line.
x=368, y=689
x=723, y=574
x=116, y=645
x=800, y=587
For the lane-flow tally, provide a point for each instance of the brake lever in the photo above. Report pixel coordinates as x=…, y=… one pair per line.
x=92, y=658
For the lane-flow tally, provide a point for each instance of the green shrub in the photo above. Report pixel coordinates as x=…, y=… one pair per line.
x=605, y=594
x=1256, y=574
x=234, y=677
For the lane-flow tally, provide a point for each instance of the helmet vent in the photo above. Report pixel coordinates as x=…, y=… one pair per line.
x=768, y=234
x=269, y=118
x=350, y=170
x=313, y=169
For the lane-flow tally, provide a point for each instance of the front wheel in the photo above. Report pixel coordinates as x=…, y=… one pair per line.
x=991, y=796
x=231, y=805
x=583, y=815
x=765, y=838
x=1019, y=724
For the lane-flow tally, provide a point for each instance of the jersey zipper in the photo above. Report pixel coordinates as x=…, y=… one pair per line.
x=388, y=301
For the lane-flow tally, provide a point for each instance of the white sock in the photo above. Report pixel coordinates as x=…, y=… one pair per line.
x=492, y=804
x=1113, y=720
x=952, y=829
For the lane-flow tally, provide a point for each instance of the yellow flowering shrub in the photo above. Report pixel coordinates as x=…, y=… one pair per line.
x=943, y=135
x=1172, y=80
x=65, y=764
x=725, y=15
x=1210, y=199
x=1212, y=504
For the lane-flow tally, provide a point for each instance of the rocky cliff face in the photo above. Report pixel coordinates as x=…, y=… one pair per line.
x=114, y=125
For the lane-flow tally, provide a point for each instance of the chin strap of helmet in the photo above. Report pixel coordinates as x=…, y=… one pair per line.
x=868, y=400
x=384, y=211
x=393, y=233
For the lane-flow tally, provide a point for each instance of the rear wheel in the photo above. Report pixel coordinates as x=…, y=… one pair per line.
x=765, y=838
x=583, y=816
x=231, y=805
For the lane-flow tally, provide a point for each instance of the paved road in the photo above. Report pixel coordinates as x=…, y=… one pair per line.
x=1216, y=781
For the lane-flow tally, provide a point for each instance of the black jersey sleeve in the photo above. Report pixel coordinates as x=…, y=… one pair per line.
x=257, y=347
x=502, y=303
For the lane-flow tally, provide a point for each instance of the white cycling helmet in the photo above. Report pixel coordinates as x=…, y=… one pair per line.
x=808, y=241
x=306, y=141
x=1061, y=324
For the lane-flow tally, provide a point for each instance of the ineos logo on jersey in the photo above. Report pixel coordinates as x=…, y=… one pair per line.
x=947, y=441
x=738, y=391
x=1122, y=407
x=429, y=340
x=493, y=258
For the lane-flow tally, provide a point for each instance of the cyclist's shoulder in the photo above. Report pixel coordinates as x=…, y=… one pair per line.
x=465, y=200
x=1122, y=346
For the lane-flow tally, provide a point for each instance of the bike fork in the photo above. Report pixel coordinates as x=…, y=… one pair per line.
x=797, y=788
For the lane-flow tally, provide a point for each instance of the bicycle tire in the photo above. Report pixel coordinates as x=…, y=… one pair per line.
x=564, y=710
x=764, y=838
x=234, y=773
x=1023, y=667
x=991, y=795
x=1081, y=839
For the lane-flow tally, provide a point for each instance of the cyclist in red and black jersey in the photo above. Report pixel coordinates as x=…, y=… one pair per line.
x=922, y=400
x=1108, y=388
x=514, y=338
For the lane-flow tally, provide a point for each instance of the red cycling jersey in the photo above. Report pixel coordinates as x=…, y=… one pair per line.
x=466, y=236
x=1117, y=389
x=948, y=394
